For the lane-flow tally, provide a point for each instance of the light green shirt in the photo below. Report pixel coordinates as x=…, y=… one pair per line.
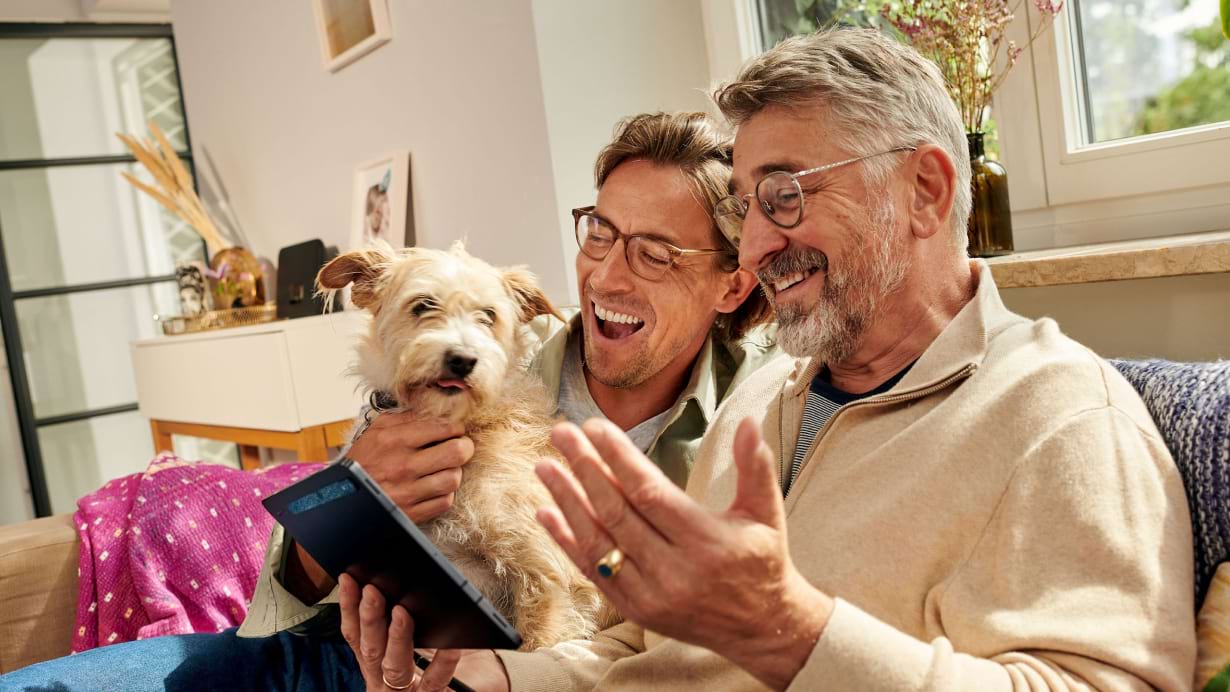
x=719, y=368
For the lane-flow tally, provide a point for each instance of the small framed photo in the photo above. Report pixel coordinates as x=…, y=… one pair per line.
x=350, y=29
x=382, y=206
x=194, y=298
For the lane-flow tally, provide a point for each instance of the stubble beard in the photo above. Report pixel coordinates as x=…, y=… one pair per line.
x=852, y=296
x=636, y=372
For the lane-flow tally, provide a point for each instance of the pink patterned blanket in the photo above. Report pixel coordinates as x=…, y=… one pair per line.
x=174, y=550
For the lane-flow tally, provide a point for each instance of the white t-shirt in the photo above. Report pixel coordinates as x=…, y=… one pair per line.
x=577, y=405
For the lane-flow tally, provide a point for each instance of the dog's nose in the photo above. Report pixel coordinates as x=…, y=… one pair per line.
x=460, y=363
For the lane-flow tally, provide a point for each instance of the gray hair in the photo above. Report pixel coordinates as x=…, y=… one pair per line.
x=884, y=94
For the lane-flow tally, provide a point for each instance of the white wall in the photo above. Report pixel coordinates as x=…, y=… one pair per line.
x=1180, y=318
x=503, y=106
x=41, y=11
x=458, y=86
x=83, y=10
x=603, y=61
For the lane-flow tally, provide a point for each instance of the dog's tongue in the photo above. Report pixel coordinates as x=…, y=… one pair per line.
x=617, y=330
x=451, y=384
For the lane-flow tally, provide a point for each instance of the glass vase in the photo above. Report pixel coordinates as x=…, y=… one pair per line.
x=235, y=279
x=990, y=220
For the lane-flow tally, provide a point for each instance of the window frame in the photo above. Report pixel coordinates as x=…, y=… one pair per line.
x=1078, y=172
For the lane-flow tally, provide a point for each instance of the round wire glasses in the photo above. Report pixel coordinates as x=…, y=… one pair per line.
x=780, y=197
x=648, y=257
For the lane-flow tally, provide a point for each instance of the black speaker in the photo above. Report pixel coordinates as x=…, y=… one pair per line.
x=297, y=268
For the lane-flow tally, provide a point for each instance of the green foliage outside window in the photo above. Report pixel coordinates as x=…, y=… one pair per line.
x=1202, y=97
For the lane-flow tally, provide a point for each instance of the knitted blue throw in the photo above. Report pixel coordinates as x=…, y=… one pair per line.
x=1190, y=402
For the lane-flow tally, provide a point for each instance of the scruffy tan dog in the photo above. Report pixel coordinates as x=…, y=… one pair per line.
x=447, y=340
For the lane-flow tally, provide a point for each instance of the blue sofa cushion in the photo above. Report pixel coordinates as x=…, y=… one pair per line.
x=1190, y=402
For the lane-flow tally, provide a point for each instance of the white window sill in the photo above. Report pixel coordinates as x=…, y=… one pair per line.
x=1196, y=253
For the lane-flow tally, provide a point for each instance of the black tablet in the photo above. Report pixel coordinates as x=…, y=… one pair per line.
x=345, y=521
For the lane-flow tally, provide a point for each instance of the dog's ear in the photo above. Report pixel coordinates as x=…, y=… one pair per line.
x=531, y=301
x=363, y=268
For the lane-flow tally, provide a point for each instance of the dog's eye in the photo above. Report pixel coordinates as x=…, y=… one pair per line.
x=488, y=317
x=422, y=307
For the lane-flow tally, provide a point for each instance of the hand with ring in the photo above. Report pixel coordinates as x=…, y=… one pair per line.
x=384, y=645
x=678, y=568
x=384, y=648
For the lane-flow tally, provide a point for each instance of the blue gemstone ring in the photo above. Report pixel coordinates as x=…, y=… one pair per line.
x=610, y=564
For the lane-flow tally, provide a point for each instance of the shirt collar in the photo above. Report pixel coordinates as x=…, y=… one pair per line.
x=702, y=385
x=962, y=343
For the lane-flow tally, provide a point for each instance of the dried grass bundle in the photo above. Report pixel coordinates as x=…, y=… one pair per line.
x=174, y=189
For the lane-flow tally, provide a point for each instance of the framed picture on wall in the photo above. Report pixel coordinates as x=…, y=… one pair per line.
x=350, y=29
x=382, y=205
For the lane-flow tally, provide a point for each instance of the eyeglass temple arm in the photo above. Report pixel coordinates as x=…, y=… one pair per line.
x=856, y=159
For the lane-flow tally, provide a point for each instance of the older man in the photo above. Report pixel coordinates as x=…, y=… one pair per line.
x=668, y=325
x=934, y=493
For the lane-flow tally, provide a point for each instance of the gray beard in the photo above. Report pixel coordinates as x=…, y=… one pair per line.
x=833, y=329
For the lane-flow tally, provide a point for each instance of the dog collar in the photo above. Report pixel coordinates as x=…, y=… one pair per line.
x=381, y=402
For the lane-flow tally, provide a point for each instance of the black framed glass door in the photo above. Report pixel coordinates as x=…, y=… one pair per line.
x=86, y=262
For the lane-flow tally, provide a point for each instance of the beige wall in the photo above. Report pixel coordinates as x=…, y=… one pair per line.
x=1180, y=318
x=83, y=10
x=41, y=11
x=528, y=94
x=600, y=62
x=458, y=86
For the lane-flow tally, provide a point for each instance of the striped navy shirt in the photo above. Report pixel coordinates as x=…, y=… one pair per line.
x=823, y=400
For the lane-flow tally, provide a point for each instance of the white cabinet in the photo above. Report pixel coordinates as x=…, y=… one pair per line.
x=282, y=384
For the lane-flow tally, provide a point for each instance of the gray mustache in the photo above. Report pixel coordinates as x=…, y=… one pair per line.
x=791, y=261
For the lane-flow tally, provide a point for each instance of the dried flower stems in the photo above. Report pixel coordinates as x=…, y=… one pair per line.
x=174, y=189
x=966, y=38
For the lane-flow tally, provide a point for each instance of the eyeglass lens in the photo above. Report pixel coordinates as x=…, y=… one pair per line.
x=647, y=257
x=779, y=197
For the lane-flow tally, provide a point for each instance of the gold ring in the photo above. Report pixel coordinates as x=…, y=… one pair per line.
x=391, y=686
x=610, y=564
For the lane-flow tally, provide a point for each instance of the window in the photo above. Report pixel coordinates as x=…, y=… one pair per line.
x=1149, y=66
x=1127, y=142
x=777, y=19
x=1115, y=125
x=85, y=261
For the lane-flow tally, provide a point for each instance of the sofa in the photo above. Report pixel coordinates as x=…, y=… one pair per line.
x=1189, y=401
x=38, y=590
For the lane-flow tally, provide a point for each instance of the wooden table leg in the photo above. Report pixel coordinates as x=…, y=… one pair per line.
x=162, y=440
x=249, y=457
x=312, y=445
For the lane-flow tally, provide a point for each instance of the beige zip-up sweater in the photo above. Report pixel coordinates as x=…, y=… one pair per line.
x=1005, y=518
